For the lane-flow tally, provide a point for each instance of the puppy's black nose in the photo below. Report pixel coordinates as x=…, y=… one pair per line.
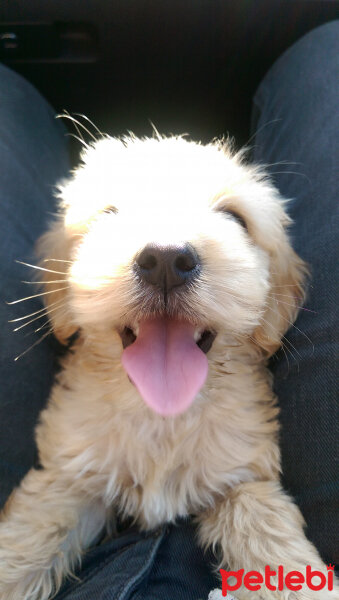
x=168, y=266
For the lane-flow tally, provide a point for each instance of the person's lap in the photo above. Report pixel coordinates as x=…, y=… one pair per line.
x=33, y=155
x=295, y=112
x=296, y=116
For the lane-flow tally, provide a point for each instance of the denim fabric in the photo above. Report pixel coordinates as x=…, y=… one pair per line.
x=297, y=121
x=33, y=156
x=295, y=115
x=162, y=565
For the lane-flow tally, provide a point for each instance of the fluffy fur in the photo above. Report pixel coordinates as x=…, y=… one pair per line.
x=99, y=444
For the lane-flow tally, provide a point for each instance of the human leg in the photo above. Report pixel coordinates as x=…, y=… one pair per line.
x=296, y=120
x=33, y=157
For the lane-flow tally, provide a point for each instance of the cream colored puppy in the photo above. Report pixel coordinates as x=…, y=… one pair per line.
x=171, y=260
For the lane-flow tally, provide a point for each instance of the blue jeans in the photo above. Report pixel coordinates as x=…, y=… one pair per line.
x=295, y=111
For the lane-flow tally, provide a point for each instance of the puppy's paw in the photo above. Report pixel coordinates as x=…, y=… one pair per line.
x=21, y=581
x=37, y=586
x=217, y=595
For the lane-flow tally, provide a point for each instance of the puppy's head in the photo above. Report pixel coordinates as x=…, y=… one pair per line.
x=171, y=244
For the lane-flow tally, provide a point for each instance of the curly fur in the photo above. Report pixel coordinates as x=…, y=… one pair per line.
x=100, y=446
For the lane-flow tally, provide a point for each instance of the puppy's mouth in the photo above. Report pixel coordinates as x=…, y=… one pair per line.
x=203, y=338
x=166, y=360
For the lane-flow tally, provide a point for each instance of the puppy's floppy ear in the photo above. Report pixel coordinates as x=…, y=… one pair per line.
x=288, y=275
x=53, y=249
x=77, y=204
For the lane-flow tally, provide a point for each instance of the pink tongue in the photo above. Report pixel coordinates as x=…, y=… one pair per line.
x=166, y=365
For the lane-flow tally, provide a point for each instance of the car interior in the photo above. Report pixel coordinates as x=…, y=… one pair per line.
x=185, y=66
x=179, y=66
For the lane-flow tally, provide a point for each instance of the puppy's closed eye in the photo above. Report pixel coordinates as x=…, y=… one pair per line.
x=110, y=210
x=235, y=216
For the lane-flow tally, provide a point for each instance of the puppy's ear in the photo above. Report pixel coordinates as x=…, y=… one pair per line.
x=288, y=275
x=53, y=249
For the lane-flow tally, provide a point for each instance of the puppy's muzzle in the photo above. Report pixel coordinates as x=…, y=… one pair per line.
x=167, y=267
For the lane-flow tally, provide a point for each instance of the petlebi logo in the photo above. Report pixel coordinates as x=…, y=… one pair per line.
x=273, y=580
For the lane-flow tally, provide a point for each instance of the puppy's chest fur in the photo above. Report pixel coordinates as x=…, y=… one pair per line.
x=153, y=468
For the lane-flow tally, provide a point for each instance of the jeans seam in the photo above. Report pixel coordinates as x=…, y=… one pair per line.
x=95, y=570
x=127, y=586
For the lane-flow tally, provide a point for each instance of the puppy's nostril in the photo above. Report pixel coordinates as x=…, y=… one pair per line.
x=185, y=262
x=147, y=261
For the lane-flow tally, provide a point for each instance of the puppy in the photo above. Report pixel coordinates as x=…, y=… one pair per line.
x=171, y=261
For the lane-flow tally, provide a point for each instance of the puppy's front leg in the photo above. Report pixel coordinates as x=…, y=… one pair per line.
x=44, y=527
x=257, y=525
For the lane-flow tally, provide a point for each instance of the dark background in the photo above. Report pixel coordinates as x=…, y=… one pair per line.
x=186, y=65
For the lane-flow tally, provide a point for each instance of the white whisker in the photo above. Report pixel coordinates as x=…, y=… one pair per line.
x=35, y=312
x=45, y=282
x=260, y=129
x=57, y=260
x=40, y=268
x=31, y=321
x=283, y=346
x=288, y=362
x=82, y=142
x=89, y=121
x=291, y=173
x=302, y=333
x=33, y=345
x=283, y=162
x=290, y=343
x=76, y=122
x=77, y=129
x=282, y=295
x=37, y=295
x=274, y=286
x=42, y=326
x=278, y=301
x=43, y=314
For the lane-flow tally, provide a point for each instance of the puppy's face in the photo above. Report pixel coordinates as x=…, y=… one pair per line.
x=171, y=244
